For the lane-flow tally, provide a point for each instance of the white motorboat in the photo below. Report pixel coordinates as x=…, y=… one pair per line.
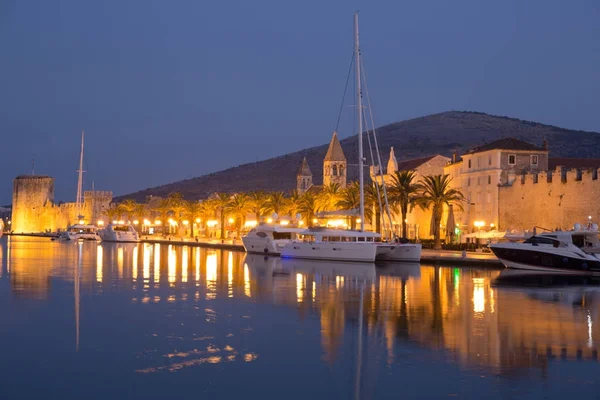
x=80, y=232
x=333, y=244
x=563, y=252
x=269, y=238
x=124, y=233
x=399, y=251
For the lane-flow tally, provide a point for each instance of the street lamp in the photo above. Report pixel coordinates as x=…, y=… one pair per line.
x=479, y=224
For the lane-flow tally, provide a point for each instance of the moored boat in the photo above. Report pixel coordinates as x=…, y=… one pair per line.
x=333, y=244
x=80, y=232
x=124, y=233
x=561, y=252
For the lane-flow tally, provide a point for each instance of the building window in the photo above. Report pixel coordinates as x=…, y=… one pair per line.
x=335, y=170
x=469, y=163
x=478, y=161
x=490, y=159
x=341, y=170
x=512, y=159
x=489, y=179
x=469, y=181
x=534, y=160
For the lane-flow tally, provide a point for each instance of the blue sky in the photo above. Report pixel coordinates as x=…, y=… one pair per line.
x=168, y=90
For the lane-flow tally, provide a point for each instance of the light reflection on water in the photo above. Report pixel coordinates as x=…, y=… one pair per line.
x=352, y=329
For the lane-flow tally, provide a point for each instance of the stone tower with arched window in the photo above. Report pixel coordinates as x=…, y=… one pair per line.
x=334, y=164
x=303, y=177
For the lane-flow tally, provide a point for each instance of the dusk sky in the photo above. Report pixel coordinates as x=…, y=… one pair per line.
x=169, y=90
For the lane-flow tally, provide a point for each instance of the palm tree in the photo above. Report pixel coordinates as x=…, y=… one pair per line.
x=329, y=197
x=177, y=206
x=275, y=202
x=191, y=211
x=308, y=207
x=139, y=212
x=208, y=210
x=403, y=193
x=258, y=202
x=436, y=192
x=221, y=201
x=128, y=207
x=373, y=199
x=293, y=204
x=239, y=206
x=113, y=212
x=350, y=200
x=163, y=209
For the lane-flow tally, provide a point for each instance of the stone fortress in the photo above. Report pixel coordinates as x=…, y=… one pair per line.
x=34, y=209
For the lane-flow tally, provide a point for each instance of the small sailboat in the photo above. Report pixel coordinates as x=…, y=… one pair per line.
x=80, y=230
x=337, y=244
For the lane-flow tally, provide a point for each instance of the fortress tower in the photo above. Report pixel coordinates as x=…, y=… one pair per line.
x=96, y=202
x=303, y=177
x=31, y=193
x=334, y=164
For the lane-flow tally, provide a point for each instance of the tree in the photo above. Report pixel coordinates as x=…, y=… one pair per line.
x=113, y=212
x=208, y=210
x=191, y=211
x=275, y=202
x=373, y=199
x=163, y=209
x=239, y=206
x=293, y=204
x=308, y=207
x=177, y=203
x=221, y=201
x=404, y=192
x=258, y=202
x=436, y=192
x=350, y=200
x=139, y=212
x=329, y=197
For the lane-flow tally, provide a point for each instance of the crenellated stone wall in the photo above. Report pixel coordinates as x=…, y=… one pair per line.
x=34, y=209
x=550, y=199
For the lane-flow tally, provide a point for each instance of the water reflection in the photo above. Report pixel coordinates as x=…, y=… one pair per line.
x=203, y=306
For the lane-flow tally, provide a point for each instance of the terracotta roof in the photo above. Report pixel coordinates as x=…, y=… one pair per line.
x=411, y=165
x=510, y=143
x=304, y=169
x=335, y=152
x=573, y=162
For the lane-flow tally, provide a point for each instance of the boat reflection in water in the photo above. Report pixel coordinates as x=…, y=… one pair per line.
x=155, y=308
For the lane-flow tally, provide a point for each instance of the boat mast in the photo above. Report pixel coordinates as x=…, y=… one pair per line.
x=79, y=199
x=361, y=178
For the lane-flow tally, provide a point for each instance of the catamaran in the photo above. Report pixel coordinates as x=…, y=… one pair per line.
x=337, y=244
x=80, y=230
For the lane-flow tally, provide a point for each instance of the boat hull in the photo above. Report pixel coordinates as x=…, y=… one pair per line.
x=351, y=251
x=266, y=245
x=546, y=259
x=81, y=236
x=409, y=252
x=119, y=237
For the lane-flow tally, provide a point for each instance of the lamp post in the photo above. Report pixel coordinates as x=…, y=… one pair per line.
x=479, y=224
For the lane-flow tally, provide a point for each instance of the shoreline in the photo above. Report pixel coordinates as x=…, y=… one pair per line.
x=451, y=257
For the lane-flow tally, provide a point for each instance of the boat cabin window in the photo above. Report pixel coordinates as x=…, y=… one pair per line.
x=541, y=240
x=578, y=240
x=121, y=228
x=282, y=235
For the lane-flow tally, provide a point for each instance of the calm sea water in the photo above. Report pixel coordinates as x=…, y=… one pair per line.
x=109, y=321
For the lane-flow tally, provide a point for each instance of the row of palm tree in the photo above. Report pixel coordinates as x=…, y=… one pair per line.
x=404, y=193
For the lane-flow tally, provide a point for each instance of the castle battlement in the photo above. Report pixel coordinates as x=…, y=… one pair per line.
x=559, y=175
x=98, y=193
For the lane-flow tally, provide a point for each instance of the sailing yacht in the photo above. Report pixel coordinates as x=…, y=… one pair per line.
x=80, y=231
x=337, y=244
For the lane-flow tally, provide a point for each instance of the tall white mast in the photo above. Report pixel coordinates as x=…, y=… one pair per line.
x=361, y=178
x=79, y=200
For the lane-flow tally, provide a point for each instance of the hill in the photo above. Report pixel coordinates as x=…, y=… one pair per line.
x=441, y=133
